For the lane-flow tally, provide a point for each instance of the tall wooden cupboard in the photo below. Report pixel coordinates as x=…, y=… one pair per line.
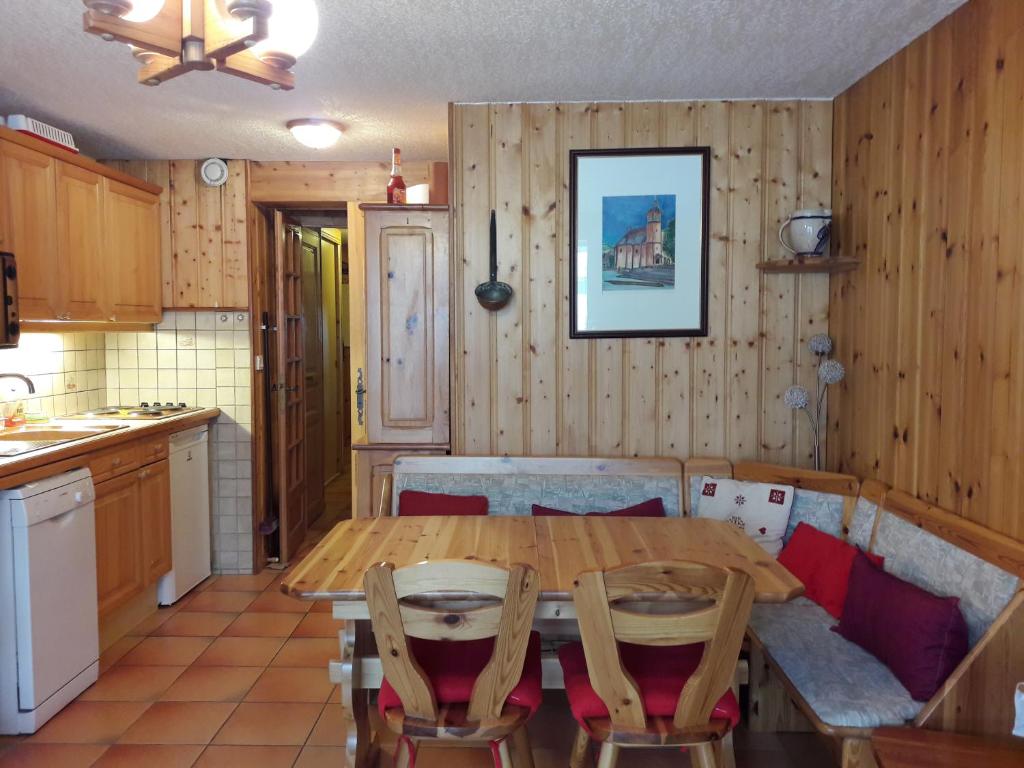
x=400, y=341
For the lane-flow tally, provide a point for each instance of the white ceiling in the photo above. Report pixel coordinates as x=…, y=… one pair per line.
x=387, y=68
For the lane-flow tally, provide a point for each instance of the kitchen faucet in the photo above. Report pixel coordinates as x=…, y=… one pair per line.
x=26, y=379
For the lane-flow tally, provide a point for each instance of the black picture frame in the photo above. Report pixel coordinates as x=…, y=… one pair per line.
x=574, y=157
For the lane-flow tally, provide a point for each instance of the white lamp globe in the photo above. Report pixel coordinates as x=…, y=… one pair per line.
x=316, y=134
x=144, y=10
x=293, y=28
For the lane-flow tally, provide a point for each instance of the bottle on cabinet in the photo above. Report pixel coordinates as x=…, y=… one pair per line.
x=396, y=186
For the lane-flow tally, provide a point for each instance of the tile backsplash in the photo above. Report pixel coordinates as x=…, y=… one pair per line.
x=204, y=359
x=67, y=370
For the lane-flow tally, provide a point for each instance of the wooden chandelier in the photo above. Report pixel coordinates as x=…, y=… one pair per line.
x=191, y=35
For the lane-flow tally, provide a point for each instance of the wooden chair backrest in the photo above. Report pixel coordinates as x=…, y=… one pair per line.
x=508, y=598
x=720, y=626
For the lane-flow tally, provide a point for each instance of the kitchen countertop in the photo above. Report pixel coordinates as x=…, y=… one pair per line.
x=17, y=470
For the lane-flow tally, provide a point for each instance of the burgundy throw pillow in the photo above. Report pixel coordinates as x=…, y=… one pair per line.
x=921, y=637
x=649, y=508
x=421, y=503
x=822, y=562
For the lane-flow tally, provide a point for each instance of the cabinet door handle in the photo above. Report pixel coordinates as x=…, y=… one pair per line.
x=115, y=462
x=143, y=474
x=64, y=316
x=360, y=393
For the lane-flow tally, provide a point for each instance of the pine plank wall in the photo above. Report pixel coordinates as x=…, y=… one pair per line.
x=521, y=386
x=929, y=161
x=203, y=233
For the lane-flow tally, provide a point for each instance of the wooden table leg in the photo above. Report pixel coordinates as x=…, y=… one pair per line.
x=356, y=641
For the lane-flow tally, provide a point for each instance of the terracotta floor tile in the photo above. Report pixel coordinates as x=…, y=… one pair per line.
x=278, y=602
x=321, y=757
x=177, y=722
x=195, y=624
x=204, y=585
x=263, y=624
x=307, y=652
x=132, y=683
x=291, y=684
x=226, y=602
x=150, y=756
x=257, y=582
x=219, y=756
x=90, y=722
x=52, y=755
x=322, y=606
x=241, y=652
x=116, y=652
x=269, y=724
x=319, y=625
x=153, y=622
x=213, y=684
x=167, y=651
x=329, y=730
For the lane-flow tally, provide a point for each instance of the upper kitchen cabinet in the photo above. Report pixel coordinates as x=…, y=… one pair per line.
x=132, y=227
x=400, y=349
x=80, y=244
x=86, y=237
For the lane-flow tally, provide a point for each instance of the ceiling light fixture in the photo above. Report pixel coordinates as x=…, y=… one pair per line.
x=258, y=40
x=315, y=133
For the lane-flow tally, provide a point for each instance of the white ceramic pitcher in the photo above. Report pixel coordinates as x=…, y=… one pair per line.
x=808, y=231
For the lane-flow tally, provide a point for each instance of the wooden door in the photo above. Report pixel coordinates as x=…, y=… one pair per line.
x=119, y=566
x=289, y=383
x=313, y=345
x=28, y=214
x=82, y=245
x=155, y=508
x=132, y=253
x=334, y=423
x=406, y=327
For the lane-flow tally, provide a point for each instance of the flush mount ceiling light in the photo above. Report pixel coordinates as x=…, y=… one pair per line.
x=315, y=133
x=259, y=40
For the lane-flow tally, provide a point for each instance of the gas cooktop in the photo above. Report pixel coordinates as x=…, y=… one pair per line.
x=143, y=411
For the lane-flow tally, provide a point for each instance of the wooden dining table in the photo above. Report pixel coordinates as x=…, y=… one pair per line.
x=559, y=548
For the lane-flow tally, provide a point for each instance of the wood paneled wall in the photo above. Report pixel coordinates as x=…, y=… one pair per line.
x=521, y=386
x=929, y=169
x=203, y=240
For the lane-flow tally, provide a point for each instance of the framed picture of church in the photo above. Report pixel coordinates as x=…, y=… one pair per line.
x=638, y=261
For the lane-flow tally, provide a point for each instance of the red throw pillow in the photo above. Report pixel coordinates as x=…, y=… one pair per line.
x=822, y=562
x=921, y=637
x=420, y=503
x=649, y=508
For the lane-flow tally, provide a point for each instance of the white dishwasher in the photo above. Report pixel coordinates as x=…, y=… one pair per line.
x=190, y=514
x=49, y=632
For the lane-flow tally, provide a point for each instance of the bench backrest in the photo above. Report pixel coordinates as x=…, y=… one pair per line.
x=939, y=565
x=513, y=484
x=825, y=500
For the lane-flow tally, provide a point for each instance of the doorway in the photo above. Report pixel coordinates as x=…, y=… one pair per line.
x=304, y=443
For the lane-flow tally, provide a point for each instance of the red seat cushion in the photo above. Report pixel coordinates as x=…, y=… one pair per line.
x=822, y=562
x=421, y=503
x=659, y=671
x=649, y=508
x=453, y=667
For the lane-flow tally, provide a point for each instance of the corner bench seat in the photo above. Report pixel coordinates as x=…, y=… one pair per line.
x=844, y=685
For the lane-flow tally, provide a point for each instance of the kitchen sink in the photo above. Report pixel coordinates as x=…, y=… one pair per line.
x=33, y=437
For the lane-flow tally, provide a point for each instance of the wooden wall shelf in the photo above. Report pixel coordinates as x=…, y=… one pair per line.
x=818, y=264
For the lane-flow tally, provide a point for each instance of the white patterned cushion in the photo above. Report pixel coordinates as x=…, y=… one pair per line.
x=822, y=510
x=760, y=510
x=844, y=684
x=862, y=523
x=942, y=568
x=516, y=494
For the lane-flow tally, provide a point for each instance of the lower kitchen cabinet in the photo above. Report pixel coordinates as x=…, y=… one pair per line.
x=119, y=564
x=133, y=533
x=155, y=506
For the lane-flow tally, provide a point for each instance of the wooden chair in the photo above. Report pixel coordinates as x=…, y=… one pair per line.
x=486, y=687
x=664, y=688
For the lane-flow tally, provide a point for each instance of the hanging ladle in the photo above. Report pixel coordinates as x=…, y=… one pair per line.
x=493, y=295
